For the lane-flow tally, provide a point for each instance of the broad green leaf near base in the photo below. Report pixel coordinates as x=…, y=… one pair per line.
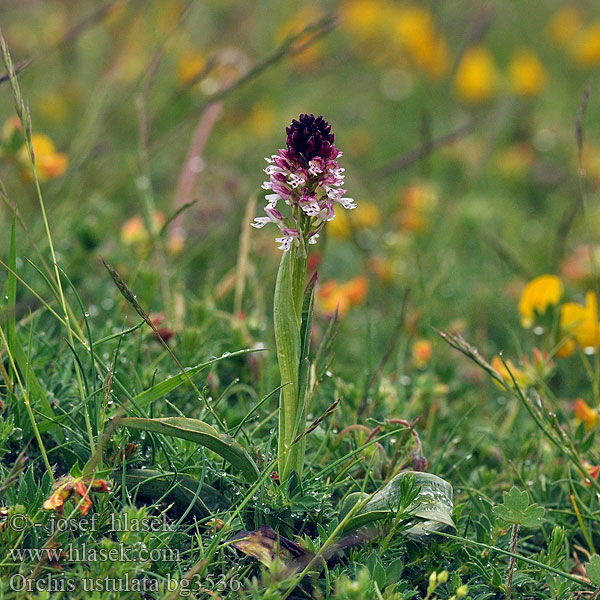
x=433, y=503
x=200, y=433
x=181, y=490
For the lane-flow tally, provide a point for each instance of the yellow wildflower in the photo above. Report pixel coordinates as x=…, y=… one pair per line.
x=49, y=163
x=526, y=73
x=415, y=30
x=476, y=77
x=585, y=414
x=261, y=120
x=190, y=66
x=516, y=161
x=564, y=25
x=54, y=106
x=581, y=322
x=364, y=18
x=537, y=296
x=523, y=379
x=134, y=231
x=585, y=48
x=365, y=216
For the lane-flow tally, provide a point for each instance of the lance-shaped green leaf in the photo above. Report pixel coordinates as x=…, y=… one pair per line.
x=161, y=389
x=287, y=339
x=181, y=490
x=201, y=433
x=429, y=498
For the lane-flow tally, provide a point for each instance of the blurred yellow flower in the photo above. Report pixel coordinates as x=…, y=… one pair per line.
x=476, y=76
x=417, y=203
x=581, y=322
x=176, y=241
x=365, y=216
x=333, y=295
x=305, y=53
x=565, y=24
x=515, y=161
x=585, y=48
x=53, y=106
x=537, y=296
x=526, y=73
x=135, y=233
x=261, y=120
x=523, y=379
x=414, y=29
x=364, y=18
x=384, y=269
x=421, y=352
x=585, y=414
x=49, y=163
x=190, y=66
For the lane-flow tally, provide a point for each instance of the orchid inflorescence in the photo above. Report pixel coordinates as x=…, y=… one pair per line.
x=307, y=177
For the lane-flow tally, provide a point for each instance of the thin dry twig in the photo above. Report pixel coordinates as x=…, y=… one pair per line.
x=314, y=30
x=318, y=421
x=424, y=149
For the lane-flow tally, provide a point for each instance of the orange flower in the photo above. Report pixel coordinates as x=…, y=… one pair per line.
x=585, y=414
x=333, y=295
x=190, y=67
x=421, y=352
x=61, y=494
x=580, y=264
x=134, y=232
x=515, y=161
x=66, y=486
x=49, y=163
x=592, y=471
x=417, y=204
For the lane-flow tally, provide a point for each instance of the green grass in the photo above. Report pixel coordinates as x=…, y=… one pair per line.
x=83, y=348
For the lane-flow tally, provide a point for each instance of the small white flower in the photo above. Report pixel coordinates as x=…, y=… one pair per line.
x=347, y=203
x=260, y=222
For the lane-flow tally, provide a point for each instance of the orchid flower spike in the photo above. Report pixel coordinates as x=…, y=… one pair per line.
x=306, y=177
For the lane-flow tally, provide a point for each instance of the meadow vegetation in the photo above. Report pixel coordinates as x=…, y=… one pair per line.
x=391, y=390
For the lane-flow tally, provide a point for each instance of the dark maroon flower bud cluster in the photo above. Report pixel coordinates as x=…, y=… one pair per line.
x=310, y=136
